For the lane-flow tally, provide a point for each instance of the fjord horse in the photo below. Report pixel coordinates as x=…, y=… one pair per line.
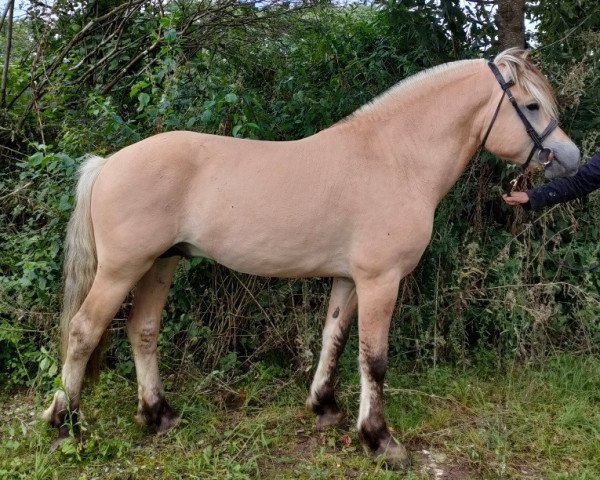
x=354, y=202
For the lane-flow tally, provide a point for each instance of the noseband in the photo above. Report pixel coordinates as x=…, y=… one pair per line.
x=543, y=153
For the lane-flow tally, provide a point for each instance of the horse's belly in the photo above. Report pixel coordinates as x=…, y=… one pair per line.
x=267, y=241
x=270, y=255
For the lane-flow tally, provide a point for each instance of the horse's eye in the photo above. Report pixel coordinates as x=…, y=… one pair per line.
x=533, y=107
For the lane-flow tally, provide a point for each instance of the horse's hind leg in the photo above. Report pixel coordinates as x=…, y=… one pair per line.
x=342, y=305
x=142, y=329
x=111, y=285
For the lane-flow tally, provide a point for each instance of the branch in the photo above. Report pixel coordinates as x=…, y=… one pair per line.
x=109, y=56
x=60, y=57
x=134, y=61
x=118, y=31
x=570, y=32
x=4, y=14
x=88, y=27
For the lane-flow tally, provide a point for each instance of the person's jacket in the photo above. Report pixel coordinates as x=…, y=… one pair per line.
x=586, y=180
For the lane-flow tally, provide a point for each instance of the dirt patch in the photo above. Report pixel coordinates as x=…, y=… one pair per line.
x=437, y=465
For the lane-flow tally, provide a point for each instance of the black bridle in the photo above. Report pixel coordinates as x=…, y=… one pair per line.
x=545, y=155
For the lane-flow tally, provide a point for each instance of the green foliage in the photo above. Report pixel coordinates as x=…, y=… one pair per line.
x=480, y=293
x=34, y=210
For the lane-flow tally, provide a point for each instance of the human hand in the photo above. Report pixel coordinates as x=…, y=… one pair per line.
x=515, y=198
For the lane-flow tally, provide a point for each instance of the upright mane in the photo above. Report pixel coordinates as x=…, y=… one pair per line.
x=406, y=85
x=517, y=67
x=527, y=76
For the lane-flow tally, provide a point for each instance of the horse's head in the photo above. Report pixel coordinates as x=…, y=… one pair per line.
x=521, y=114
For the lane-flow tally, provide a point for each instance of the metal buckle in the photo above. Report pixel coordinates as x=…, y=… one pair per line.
x=550, y=157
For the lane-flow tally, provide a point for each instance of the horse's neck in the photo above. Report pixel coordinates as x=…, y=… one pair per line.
x=431, y=128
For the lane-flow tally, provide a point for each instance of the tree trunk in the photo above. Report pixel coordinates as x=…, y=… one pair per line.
x=10, y=9
x=511, y=23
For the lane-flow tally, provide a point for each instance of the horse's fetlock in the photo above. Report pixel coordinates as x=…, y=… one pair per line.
x=58, y=415
x=323, y=401
x=157, y=415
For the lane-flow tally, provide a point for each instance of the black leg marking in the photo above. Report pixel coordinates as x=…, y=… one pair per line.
x=325, y=401
x=374, y=432
x=159, y=416
x=376, y=367
x=64, y=418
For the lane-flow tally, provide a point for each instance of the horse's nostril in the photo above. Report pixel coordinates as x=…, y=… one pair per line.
x=545, y=156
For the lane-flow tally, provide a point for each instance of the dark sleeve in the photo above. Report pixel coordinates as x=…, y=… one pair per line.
x=586, y=180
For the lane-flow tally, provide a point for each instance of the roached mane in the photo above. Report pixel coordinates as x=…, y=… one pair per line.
x=527, y=76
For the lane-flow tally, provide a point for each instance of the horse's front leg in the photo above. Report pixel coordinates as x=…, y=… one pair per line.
x=342, y=305
x=376, y=302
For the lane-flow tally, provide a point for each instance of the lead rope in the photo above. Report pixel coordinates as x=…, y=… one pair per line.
x=520, y=183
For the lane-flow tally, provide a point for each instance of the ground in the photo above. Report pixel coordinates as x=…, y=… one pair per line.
x=528, y=422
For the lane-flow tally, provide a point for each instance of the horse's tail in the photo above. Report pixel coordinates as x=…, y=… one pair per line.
x=80, y=258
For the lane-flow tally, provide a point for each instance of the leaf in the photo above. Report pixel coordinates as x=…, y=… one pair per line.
x=137, y=87
x=191, y=122
x=237, y=129
x=170, y=35
x=206, y=116
x=44, y=364
x=144, y=99
x=231, y=98
x=64, y=203
x=37, y=158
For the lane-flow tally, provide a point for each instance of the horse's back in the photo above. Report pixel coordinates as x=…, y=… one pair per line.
x=270, y=208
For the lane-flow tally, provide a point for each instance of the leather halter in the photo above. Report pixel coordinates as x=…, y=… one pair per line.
x=535, y=137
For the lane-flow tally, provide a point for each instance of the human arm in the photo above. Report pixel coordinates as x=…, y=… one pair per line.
x=585, y=181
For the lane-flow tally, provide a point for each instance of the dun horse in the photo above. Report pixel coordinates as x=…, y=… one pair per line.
x=354, y=202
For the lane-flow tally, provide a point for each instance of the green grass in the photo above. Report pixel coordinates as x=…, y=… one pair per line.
x=536, y=422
